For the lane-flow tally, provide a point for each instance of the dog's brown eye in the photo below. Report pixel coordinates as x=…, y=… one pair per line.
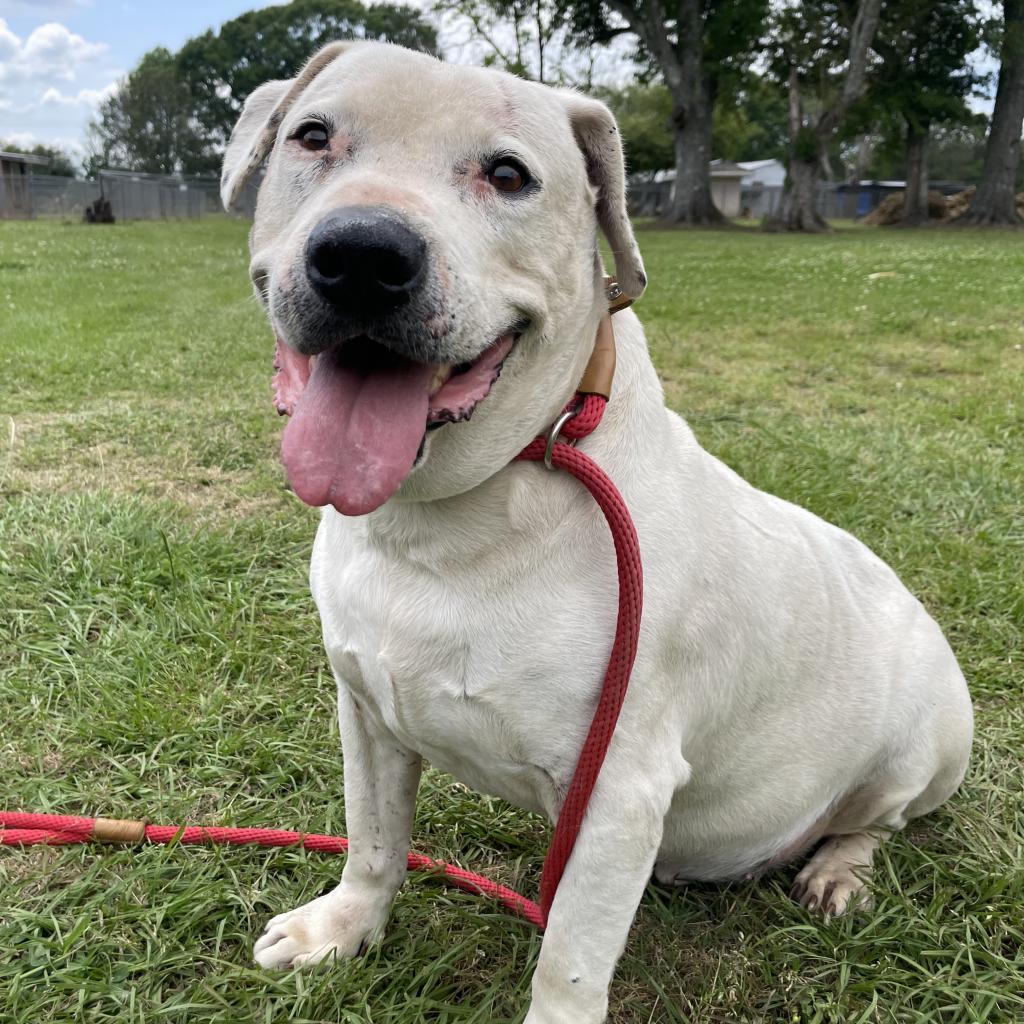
x=506, y=178
x=312, y=137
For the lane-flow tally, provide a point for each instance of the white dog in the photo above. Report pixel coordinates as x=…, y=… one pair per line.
x=421, y=228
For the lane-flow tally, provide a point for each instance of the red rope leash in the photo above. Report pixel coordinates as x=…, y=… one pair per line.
x=18, y=829
x=627, y=634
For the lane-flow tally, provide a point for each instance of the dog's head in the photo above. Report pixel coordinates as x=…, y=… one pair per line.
x=422, y=228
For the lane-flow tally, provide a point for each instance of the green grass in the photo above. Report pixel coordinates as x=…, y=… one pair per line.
x=159, y=655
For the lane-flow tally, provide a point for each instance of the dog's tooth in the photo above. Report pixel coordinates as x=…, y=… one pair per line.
x=442, y=374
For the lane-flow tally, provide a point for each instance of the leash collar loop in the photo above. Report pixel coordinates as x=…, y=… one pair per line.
x=556, y=430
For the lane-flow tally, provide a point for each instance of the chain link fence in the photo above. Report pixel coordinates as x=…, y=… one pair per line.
x=133, y=196
x=651, y=199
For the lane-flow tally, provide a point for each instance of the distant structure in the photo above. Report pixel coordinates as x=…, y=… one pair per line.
x=727, y=187
x=766, y=173
x=15, y=184
x=651, y=194
x=760, y=187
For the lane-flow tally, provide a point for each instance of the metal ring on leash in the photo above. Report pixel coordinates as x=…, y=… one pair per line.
x=556, y=429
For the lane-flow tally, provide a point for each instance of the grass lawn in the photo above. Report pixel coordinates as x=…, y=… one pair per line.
x=160, y=657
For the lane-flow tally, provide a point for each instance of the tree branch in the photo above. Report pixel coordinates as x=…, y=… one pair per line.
x=862, y=33
x=647, y=20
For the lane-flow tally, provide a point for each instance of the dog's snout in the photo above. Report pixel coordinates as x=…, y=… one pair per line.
x=365, y=261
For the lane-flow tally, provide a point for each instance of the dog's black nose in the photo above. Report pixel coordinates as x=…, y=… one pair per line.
x=365, y=261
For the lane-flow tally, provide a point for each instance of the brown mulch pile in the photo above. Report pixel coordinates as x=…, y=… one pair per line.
x=940, y=207
x=956, y=206
x=890, y=209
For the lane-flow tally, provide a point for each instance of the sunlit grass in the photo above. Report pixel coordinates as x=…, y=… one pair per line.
x=159, y=655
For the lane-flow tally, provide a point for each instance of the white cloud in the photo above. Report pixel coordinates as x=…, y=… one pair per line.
x=26, y=140
x=50, y=51
x=10, y=44
x=83, y=98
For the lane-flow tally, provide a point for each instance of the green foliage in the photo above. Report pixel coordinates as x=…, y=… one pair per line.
x=60, y=162
x=175, y=112
x=149, y=123
x=810, y=37
x=922, y=77
x=730, y=29
x=749, y=123
x=160, y=653
x=750, y=120
x=956, y=152
x=222, y=68
x=805, y=145
x=644, y=113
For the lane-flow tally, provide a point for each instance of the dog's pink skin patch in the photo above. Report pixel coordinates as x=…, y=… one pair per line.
x=291, y=375
x=339, y=147
x=366, y=194
x=460, y=395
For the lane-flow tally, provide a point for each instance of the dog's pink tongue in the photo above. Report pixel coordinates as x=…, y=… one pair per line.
x=356, y=430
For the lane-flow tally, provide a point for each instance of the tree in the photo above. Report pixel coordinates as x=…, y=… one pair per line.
x=644, y=113
x=59, y=162
x=223, y=67
x=695, y=48
x=148, y=123
x=527, y=38
x=922, y=79
x=819, y=49
x=995, y=200
x=748, y=123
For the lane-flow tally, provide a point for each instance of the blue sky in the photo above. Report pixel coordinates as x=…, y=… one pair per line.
x=58, y=58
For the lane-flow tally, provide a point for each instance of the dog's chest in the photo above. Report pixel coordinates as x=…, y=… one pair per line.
x=493, y=682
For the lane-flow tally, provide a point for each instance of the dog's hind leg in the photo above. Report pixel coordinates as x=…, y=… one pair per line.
x=381, y=779
x=834, y=879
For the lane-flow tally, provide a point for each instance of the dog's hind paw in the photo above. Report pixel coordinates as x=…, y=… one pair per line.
x=337, y=926
x=834, y=880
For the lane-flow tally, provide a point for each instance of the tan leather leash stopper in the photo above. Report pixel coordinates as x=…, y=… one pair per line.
x=118, y=830
x=600, y=372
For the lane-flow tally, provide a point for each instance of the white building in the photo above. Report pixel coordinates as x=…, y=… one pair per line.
x=770, y=173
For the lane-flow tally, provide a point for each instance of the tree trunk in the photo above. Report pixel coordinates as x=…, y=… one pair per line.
x=995, y=200
x=809, y=140
x=693, y=95
x=693, y=99
x=915, y=197
x=799, y=208
x=861, y=159
x=691, y=197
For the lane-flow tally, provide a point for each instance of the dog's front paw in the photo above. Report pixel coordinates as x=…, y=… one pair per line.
x=336, y=926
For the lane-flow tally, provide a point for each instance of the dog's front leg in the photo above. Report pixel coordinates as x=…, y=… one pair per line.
x=381, y=779
x=600, y=891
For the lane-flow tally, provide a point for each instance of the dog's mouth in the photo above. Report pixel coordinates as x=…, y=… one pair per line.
x=359, y=413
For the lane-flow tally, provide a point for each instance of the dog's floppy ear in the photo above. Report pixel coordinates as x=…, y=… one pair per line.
x=256, y=130
x=597, y=135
